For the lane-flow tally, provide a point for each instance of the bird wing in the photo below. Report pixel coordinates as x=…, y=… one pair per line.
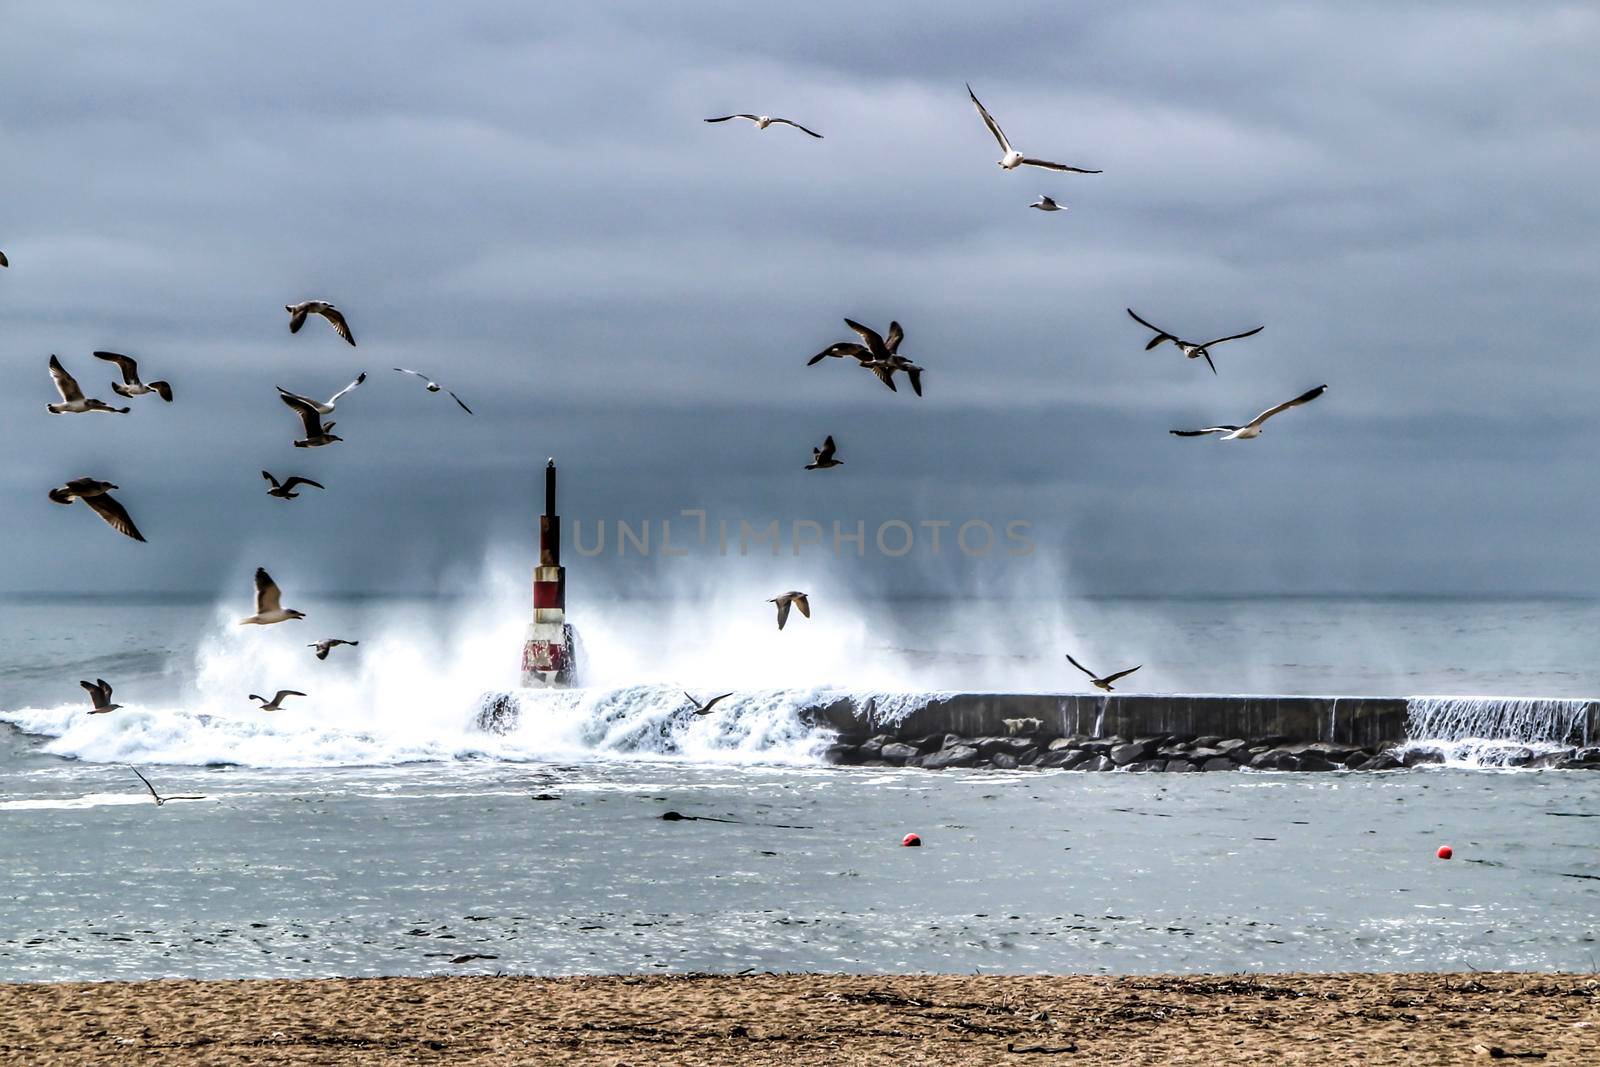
x=458, y=400
x=803, y=604
x=1202, y=433
x=988, y=120
x=895, y=336
x=885, y=374
x=322, y=649
x=96, y=697
x=125, y=364
x=725, y=118
x=297, y=318
x=413, y=373
x=840, y=348
x=115, y=514
x=872, y=337
x=802, y=129
x=66, y=384
x=340, y=327
x=1234, y=336
x=334, y=399
x=146, y=782
x=783, y=610
x=4, y=262
x=1304, y=398
x=268, y=596
x=915, y=374
x=268, y=476
x=286, y=693
x=1161, y=335
x=1047, y=165
x=295, y=480
x=705, y=709
x=1108, y=679
x=309, y=418
x=1080, y=666
x=163, y=390
x=827, y=449
x=1210, y=364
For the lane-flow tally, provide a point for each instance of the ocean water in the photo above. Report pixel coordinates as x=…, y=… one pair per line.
x=371, y=828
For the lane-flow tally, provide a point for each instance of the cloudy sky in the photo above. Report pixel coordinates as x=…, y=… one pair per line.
x=522, y=201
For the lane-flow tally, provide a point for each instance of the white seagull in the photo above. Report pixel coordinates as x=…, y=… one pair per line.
x=783, y=601
x=269, y=603
x=763, y=121
x=130, y=384
x=96, y=494
x=276, y=703
x=1253, y=427
x=99, y=692
x=72, y=399
x=335, y=317
x=1045, y=203
x=322, y=407
x=328, y=644
x=435, y=387
x=318, y=433
x=1188, y=348
x=1011, y=158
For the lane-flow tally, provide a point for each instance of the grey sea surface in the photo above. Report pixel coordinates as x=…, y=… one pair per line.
x=371, y=829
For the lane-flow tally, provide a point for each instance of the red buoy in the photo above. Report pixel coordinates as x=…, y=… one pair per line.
x=911, y=841
x=1445, y=852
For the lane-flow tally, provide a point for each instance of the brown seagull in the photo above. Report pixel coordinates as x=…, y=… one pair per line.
x=1095, y=680
x=794, y=597
x=100, y=696
x=96, y=494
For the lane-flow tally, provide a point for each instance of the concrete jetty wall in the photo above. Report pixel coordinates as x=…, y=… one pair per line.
x=1361, y=721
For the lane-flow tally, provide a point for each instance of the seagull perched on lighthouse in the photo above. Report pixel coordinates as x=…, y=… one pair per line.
x=1189, y=348
x=1252, y=428
x=763, y=121
x=1011, y=159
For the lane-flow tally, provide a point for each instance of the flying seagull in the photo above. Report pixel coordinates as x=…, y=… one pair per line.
x=841, y=349
x=276, y=703
x=1012, y=159
x=434, y=387
x=285, y=491
x=335, y=317
x=269, y=603
x=763, y=121
x=99, y=692
x=318, y=433
x=160, y=800
x=130, y=384
x=328, y=644
x=1045, y=203
x=97, y=495
x=1189, y=348
x=705, y=709
x=798, y=599
x=882, y=355
x=885, y=369
x=822, y=458
x=1098, y=682
x=319, y=406
x=1253, y=427
x=72, y=399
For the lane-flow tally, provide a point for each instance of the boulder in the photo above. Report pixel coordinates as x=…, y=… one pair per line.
x=953, y=756
x=1232, y=744
x=1275, y=759
x=1147, y=765
x=1418, y=757
x=1097, y=763
x=1218, y=763
x=1029, y=758
x=1003, y=761
x=930, y=743
x=897, y=752
x=841, y=755
x=1132, y=752
x=1383, y=761
x=1100, y=746
x=871, y=746
x=1199, y=754
x=1316, y=761
x=1207, y=741
x=1180, y=766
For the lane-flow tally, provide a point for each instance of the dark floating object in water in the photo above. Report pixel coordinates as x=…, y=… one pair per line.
x=544, y=796
x=472, y=956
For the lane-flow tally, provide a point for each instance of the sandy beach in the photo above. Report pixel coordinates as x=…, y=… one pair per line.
x=810, y=1019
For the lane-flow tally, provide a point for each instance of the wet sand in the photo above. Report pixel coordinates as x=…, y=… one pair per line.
x=810, y=1019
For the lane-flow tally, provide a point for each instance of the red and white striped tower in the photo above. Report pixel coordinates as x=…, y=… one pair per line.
x=547, y=654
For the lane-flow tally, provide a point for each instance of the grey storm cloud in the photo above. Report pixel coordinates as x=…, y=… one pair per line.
x=522, y=201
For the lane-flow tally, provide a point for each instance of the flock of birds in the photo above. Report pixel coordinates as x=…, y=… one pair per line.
x=875, y=352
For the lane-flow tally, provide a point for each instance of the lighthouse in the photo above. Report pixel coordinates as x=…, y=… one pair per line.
x=548, y=658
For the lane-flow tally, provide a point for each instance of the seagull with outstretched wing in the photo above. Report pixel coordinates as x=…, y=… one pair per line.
x=763, y=121
x=1097, y=681
x=130, y=384
x=705, y=709
x=96, y=495
x=1011, y=159
x=1252, y=428
x=335, y=317
x=1192, y=349
x=794, y=597
x=435, y=387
